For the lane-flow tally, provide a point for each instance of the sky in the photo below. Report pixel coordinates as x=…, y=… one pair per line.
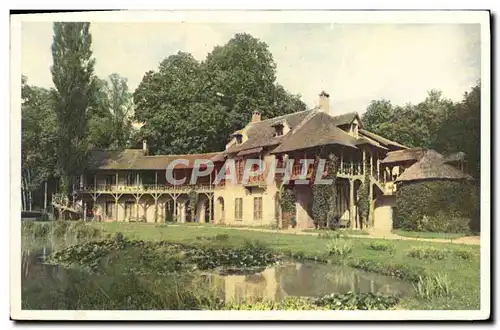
x=354, y=63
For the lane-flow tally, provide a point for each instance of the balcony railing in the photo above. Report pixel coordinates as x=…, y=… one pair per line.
x=153, y=188
x=255, y=180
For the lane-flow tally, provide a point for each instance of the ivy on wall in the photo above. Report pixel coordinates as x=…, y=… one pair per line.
x=364, y=196
x=284, y=201
x=324, y=205
x=193, y=200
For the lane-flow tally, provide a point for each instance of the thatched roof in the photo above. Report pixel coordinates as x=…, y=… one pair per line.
x=134, y=159
x=383, y=141
x=432, y=166
x=320, y=129
x=261, y=134
x=404, y=155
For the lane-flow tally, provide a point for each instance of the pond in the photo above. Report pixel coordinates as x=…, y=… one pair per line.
x=307, y=279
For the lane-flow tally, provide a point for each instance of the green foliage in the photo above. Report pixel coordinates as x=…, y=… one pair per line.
x=38, y=140
x=325, y=195
x=73, y=76
x=380, y=246
x=430, y=287
x=193, y=202
x=436, y=122
x=329, y=235
x=189, y=106
x=356, y=301
x=334, y=301
x=463, y=254
x=109, y=122
x=424, y=252
x=436, y=206
x=339, y=247
x=364, y=196
x=78, y=230
x=404, y=271
x=35, y=229
x=138, y=257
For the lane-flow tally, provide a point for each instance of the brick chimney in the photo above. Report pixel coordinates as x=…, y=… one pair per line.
x=324, y=102
x=255, y=116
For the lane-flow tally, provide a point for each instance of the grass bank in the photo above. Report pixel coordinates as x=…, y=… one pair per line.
x=460, y=264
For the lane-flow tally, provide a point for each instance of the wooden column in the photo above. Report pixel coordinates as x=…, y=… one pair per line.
x=156, y=179
x=155, y=196
x=341, y=160
x=352, y=217
x=372, y=205
x=210, y=205
x=137, y=197
x=95, y=182
x=116, y=206
x=378, y=168
x=371, y=164
x=364, y=161
x=352, y=165
x=174, y=210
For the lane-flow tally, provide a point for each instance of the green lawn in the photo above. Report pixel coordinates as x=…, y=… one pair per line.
x=418, y=234
x=464, y=275
x=343, y=231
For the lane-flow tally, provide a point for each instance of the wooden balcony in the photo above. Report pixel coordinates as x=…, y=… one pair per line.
x=255, y=181
x=142, y=189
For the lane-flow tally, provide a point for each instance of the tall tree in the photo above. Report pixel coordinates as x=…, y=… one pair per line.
x=188, y=106
x=38, y=138
x=72, y=74
x=111, y=109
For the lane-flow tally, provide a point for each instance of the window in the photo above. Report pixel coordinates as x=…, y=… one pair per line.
x=257, y=208
x=109, y=209
x=129, y=206
x=238, y=208
x=131, y=179
x=111, y=179
x=240, y=167
x=239, y=138
x=279, y=130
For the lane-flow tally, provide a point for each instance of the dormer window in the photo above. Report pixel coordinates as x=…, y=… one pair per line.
x=354, y=128
x=280, y=128
x=239, y=138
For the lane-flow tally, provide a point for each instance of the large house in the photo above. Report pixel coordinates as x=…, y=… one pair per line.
x=131, y=185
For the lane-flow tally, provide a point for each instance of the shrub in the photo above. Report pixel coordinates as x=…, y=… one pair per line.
x=329, y=235
x=437, y=206
x=339, y=247
x=424, y=252
x=380, y=246
x=429, y=287
x=35, y=229
x=463, y=254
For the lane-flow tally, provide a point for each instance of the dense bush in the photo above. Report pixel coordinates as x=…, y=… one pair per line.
x=428, y=253
x=380, y=246
x=437, y=206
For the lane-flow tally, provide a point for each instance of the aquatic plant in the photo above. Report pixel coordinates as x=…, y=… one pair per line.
x=339, y=247
x=402, y=271
x=429, y=287
x=356, y=301
x=334, y=301
x=425, y=252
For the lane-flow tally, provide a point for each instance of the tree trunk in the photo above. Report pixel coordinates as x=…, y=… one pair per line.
x=29, y=191
x=45, y=197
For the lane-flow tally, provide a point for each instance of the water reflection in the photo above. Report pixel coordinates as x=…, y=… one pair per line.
x=308, y=279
